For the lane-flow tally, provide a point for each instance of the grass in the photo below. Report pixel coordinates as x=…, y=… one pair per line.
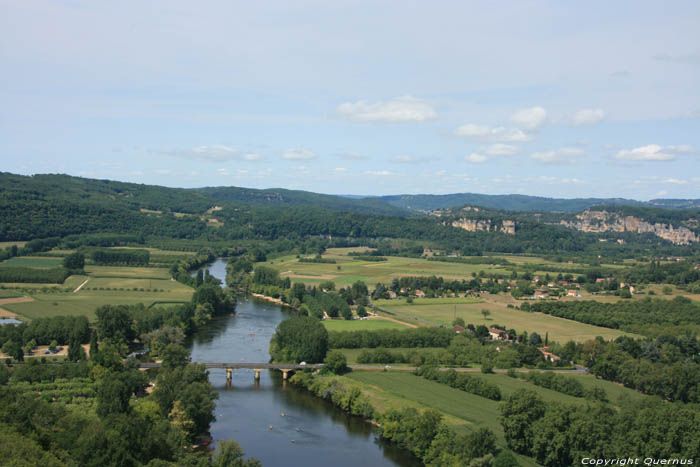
x=87, y=300
x=370, y=272
x=361, y=325
x=559, y=329
x=71, y=283
x=4, y=245
x=463, y=411
x=32, y=262
x=129, y=272
x=131, y=283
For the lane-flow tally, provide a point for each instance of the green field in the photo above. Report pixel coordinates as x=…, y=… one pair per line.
x=463, y=411
x=559, y=329
x=71, y=283
x=32, y=262
x=94, y=294
x=361, y=325
x=128, y=272
x=4, y=245
x=131, y=283
x=371, y=272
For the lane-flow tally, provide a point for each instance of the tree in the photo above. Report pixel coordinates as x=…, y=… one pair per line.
x=361, y=311
x=336, y=362
x=4, y=374
x=230, y=454
x=75, y=350
x=74, y=261
x=14, y=350
x=94, y=348
x=458, y=322
x=115, y=323
x=174, y=356
x=297, y=339
x=518, y=413
x=486, y=313
x=535, y=339
x=113, y=396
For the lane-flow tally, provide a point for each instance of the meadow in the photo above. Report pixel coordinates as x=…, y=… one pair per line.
x=348, y=269
x=559, y=329
x=32, y=262
x=361, y=325
x=461, y=410
x=85, y=302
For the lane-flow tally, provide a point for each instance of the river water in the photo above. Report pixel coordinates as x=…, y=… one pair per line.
x=274, y=421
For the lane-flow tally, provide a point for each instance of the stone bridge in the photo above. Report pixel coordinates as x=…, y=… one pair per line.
x=285, y=368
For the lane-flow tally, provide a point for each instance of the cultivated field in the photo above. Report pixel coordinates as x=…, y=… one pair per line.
x=32, y=262
x=361, y=325
x=559, y=329
x=462, y=410
x=348, y=269
x=86, y=302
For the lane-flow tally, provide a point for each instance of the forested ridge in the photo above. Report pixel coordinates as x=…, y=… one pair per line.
x=44, y=206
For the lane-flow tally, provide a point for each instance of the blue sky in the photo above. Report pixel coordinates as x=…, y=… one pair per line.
x=549, y=98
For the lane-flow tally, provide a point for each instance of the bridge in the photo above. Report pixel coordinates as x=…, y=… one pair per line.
x=285, y=368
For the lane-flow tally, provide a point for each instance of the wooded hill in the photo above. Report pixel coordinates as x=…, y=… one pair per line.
x=44, y=206
x=526, y=203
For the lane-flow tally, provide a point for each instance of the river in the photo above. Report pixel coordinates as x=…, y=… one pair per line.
x=274, y=421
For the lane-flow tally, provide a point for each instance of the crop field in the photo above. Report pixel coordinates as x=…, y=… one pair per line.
x=4, y=245
x=85, y=303
x=32, y=262
x=127, y=272
x=361, y=325
x=348, y=269
x=463, y=411
x=71, y=283
x=99, y=283
x=614, y=391
x=559, y=329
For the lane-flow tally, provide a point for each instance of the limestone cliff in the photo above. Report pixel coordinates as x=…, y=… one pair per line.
x=474, y=225
x=604, y=221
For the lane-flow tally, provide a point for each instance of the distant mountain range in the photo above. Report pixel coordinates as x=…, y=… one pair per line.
x=525, y=203
x=197, y=200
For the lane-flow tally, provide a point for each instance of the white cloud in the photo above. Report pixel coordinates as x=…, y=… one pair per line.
x=352, y=155
x=379, y=173
x=223, y=172
x=571, y=180
x=214, y=153
x=531, y=118
x=252, y=157
x=651, y=152
x=401, y=109
x=558, y=156
x=483, y=132
x=588, y=117
x=475, y=158
x=675, y=181
x=403, y=159
x=340, y=170
x=164, y=171
x=662, y=193
x=500, y=149
x=298, y=154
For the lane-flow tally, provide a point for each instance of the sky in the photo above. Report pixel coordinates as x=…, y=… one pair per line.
x=547, y=98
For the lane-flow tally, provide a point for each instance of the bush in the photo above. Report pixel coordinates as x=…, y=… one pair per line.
x=336, y=362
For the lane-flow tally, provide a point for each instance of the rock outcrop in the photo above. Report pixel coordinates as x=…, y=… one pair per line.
x=474, y=225
x=604, y=221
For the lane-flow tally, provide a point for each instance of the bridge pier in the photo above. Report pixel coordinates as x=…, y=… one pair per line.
x=229, y=375
x=285, y=373
x=257, y=374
